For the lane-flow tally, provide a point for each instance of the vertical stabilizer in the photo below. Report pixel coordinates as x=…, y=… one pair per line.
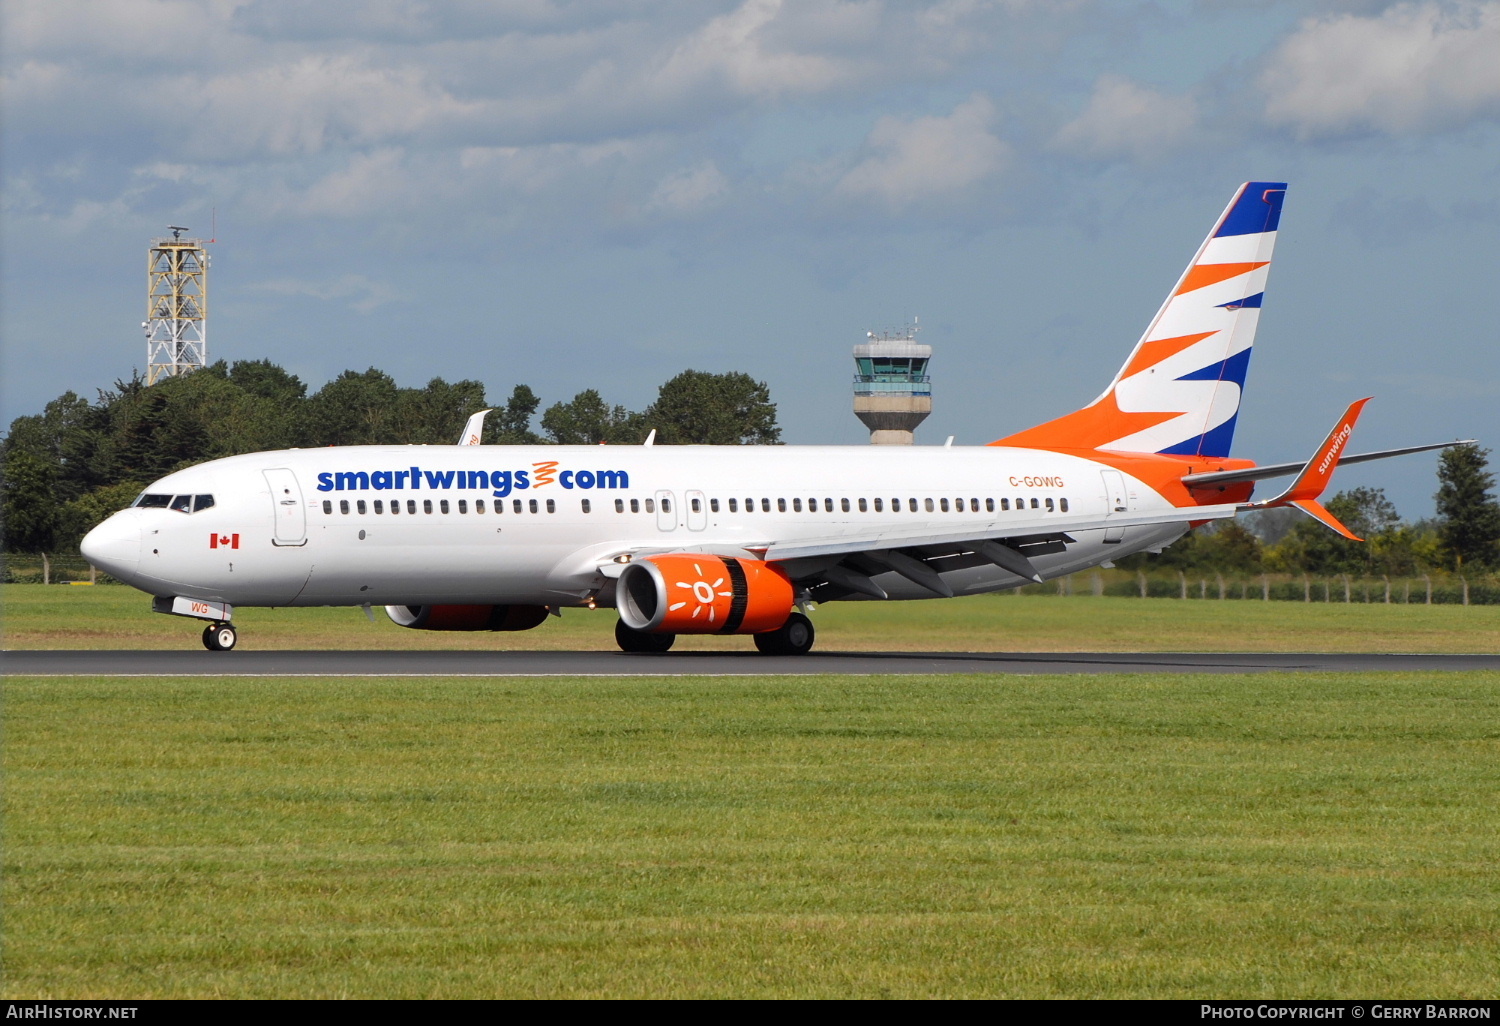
x=1179, y=392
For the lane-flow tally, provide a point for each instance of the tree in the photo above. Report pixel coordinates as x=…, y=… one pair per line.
x=1312, y=548
x=353, y=409
x=436, y=414
x=1468, y=515
x=589, y=420
x=511, y=425
x=697, y=408
x=265, y=379
x=29, y=505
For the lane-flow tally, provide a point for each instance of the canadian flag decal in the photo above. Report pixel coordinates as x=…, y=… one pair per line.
x=228, y=541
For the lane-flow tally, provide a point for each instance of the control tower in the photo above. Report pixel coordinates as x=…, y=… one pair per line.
x=892, y=392
x=176, y=306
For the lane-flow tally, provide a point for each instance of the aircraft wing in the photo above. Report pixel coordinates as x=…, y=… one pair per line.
x=845, y=563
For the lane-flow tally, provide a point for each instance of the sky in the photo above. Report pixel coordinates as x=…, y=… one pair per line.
x=599, y=195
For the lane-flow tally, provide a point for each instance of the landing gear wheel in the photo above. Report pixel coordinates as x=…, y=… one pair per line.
x=219, y=637
x=795, y=637
x=631, y=640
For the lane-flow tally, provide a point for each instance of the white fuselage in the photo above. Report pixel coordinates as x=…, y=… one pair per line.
x=301, y=527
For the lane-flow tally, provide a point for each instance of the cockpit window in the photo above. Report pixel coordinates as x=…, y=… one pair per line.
x=181, y=503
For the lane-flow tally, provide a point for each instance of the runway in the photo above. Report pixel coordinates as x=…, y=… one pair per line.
x=617, y=664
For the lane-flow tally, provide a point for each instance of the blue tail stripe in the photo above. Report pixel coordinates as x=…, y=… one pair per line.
x=1213, y=443
x=1233, y=369
x=1248, y=303
x=1257, y=210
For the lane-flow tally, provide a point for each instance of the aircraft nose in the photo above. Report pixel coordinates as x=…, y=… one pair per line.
x=115, y=545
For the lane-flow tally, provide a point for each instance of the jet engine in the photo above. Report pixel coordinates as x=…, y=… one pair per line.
x=467, y=618
x=696, y=593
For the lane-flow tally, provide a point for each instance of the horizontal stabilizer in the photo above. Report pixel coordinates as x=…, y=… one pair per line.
x=1226, y=477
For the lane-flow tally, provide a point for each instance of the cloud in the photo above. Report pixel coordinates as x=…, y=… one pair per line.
x=928, y=157
x=1127, y=120
x=362, y=294
x=690, y=189
x=1412, y=69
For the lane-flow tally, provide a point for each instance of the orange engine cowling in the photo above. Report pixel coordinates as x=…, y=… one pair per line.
x=702, y=594
x=467, y=618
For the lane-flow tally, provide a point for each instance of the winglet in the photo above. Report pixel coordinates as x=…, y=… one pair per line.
x=473, y=430
x=1315, y=475
x=1316, y=510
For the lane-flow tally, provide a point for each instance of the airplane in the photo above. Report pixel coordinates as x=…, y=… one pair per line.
x=738, y=539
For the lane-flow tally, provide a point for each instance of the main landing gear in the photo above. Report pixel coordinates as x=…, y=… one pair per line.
x=795, y=637
x=219, y=637
x=631, y=640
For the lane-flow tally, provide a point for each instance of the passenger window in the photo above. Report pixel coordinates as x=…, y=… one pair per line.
x=532, y=504
x=153, y=501
x=411, y=506
x=1049, y=504
x=911, y=504
x=182, y=503
x=844, y=505
x=202, y=502
x=551, y=505
x=463, y=505
x=650, y=505
x=344, y=506
x=395, y=505
x=442, y=505
x=1033, y=504
x=635, y=505
x=478, y=505
x=360, y=506
x=379, y=506
x=1004, y=504
x=619, y=505
x=734, y=505
x=765, y=505
x=797, y=505
x=1062, y=505
x=697, y=506
x=1020, y=502
x=516, y=505
x=989, y=505
x=584, y=505
x=929, y=506
x=666, y=505
x=781, y=505
x=426, y=505
x=973, y=505
x=828, y=505
x=713, y=505
x=327, y=505
x=943, y=503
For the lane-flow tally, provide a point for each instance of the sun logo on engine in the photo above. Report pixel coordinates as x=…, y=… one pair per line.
x=704, y=594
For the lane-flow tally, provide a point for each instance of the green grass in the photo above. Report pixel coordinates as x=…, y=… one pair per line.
x=1274, y=835
x=112, y=617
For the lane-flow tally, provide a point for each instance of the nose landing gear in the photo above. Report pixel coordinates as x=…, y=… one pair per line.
x=219, y=637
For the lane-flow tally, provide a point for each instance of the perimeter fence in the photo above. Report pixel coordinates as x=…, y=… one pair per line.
x=1434, y=588
x=1431, y=588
